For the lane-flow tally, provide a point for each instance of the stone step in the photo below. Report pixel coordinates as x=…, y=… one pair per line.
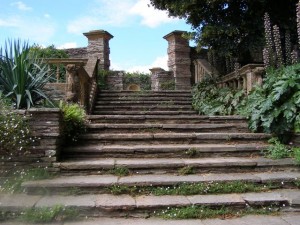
x=145, y=98
x=142, y=103
x=163, y=151
x=194, y=119
x=99, y=183
x=133, y=112
x=104, y=93
x=175, y=138
x=174, y=165
x=143, y=107
x=156, y=128
x=142, y=206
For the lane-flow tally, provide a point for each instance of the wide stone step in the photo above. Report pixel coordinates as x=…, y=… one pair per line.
x=175, y=165
x=195, y=119
x=144, y=98
x=133, y=112
x=163, y=151
x=175, y=138
x=145, y=94
x=141, y=206
x=156, y=128
x=100, y=183
x=143, y=107
x=141, y=103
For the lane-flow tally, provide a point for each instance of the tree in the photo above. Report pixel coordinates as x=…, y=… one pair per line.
x=232, y=27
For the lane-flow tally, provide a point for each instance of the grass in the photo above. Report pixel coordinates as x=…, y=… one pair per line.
x=119, y=171
x=57, y=213
x=13, y=183
x=277, y=150
x=186, y=170
x=202, y=188
x=191, y=153
x=204, y=212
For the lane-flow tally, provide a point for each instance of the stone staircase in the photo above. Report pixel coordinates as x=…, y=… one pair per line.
x=159, y=141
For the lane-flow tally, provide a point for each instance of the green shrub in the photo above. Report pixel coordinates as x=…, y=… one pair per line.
x=141, y=79
x=296, y=152
x=277, y=150
x=168, y=85
x=275, y=107
x=74, y=120
x=22, y=75
x=14, y=131
x=209, y=99
x=102, y=74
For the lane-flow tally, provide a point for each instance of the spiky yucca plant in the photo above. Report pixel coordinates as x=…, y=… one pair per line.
x=22, y=75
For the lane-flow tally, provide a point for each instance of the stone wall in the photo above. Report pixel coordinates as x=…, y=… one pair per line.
x=114, y=81
x=56, y=91
x=45, y=125
x=80, y=53
x=161, y=79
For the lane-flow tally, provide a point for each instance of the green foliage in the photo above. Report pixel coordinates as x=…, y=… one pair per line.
x=56, y=213
x=205, y=212
x=22, y=75
x=14, y=131
x=168, y=85
x=120, y=171
x=141, y=79
x=297, y=124
x=296, y=153
x=275, y=107
x=208, y=99
x=48, y=52
x=102, y=74
x=186, y=170
x=121, y=189
x=277, y=150
x=13, y=183
x=232, y=28
x=74, y=118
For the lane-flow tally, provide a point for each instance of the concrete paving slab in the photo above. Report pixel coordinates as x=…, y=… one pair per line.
x=293, y=219
x=264, y=198
x=88, y=164
x=216, y=200
x=80, y=201
x=17, y=201
x=161, y=201
x=150, y=163
x=78, y=181
x=114, y=202
x=278, y=176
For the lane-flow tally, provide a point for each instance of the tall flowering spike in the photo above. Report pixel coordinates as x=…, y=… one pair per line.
x=298, y=21
x=288, y=48
x=269, y=40
x=295, y=57
x=227, y=61
x=266, y=56
x=278, y=47
x=237, y=66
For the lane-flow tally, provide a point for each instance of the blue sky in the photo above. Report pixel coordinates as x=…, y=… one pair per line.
x=137, y=28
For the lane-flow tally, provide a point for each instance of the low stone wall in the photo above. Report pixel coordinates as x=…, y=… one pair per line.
x=45, y=125
x=161, y=79
x=114, y=81
x=56, y=91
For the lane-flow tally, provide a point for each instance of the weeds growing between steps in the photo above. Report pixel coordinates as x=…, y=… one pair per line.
x=204, y=212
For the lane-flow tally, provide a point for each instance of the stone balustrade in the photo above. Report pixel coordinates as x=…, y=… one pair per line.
x=80, y=84
x=245, y=78
x=202, y=70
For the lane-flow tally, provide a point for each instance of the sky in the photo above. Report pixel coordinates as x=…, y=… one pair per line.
x=137, y=27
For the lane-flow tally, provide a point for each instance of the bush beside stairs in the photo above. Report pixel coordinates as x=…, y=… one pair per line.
x=141, y=140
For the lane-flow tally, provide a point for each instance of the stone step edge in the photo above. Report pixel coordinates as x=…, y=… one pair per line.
x=175, y=163
x=168, y=136
x=91, y=181
x=128, y=203
x=213, y=148
x=165, y=126
x=200, y=117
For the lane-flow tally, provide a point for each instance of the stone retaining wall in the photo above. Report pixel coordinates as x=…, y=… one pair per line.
x=45, y=125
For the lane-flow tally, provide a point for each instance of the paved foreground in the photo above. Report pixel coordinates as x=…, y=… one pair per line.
x=283, y=219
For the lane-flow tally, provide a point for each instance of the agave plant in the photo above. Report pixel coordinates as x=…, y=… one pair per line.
x=22, y=75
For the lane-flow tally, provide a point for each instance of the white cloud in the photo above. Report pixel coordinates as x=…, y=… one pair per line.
x=68, y=45
x=10, y=22
x=118, y=13
x=21, y=6
x=151, y=17
x=161, y=61
x=47, y=15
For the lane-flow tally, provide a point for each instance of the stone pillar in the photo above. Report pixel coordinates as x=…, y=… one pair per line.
x=179, y=59
x=154, y=78
x=98, y=47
